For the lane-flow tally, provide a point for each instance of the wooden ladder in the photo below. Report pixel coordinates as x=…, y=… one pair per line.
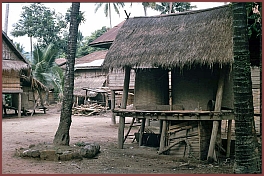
x=129, y=129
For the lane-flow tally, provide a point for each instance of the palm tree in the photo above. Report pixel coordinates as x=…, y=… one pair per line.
x=173, y=7
x=107, y=8
x=148, y=4
x=43, y=61
x=62, y=136
x=246, y=160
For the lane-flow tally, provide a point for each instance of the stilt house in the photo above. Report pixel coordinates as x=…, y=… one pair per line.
x=90, y=78
x=17, y=81
x=115, y=76
x=183, y=76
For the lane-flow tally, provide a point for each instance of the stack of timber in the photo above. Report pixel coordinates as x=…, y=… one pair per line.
x=88, y=110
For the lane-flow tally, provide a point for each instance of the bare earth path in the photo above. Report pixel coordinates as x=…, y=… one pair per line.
x=21, y=132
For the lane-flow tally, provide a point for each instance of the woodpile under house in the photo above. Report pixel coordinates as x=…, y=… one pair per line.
x=183, y=77
x=17, y=82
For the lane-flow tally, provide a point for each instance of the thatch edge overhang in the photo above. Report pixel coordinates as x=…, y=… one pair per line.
x=14, y=49
x=132, y=49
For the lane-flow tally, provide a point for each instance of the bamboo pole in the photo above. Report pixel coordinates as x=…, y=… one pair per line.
x=123, y=106
x=113, y=119
x=218, y=104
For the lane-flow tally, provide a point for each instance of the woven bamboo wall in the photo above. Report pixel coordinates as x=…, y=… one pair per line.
x=10, y=81
x=7, y=53
x=151, y=87
x=195, y=87
x=115, y=79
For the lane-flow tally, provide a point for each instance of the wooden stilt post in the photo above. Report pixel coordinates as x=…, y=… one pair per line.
x=19, y=105
x=148, y=122
x=142, y=129
x=163, y=135
x=123, y=106
x=218, y=104
x=113, y=119
x=228, y=143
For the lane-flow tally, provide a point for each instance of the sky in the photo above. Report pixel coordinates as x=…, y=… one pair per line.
x=94, y=21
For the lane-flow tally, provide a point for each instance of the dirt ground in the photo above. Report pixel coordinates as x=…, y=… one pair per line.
x=22, y=132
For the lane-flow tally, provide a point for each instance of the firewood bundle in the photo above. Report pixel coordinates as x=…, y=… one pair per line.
x=88, y=110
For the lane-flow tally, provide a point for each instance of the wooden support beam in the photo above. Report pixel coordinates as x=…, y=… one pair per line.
x=218, y=104
x=19, y=105
x=121, y=131
x=228, y=145
x=148, y=122
x=113, y=119
x=163, y=135
x=142, y=129
x=123, y=106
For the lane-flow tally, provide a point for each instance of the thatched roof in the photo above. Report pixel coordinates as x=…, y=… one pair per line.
x=12, y=63
x=16, y=65
x=175, y=40
x=105, y=40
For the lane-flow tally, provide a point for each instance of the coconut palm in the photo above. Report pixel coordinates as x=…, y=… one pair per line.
x=246, y=160
x=62, y=136
x=107, y=8
x=147, y=5
x=173, y=7
x=43, y=61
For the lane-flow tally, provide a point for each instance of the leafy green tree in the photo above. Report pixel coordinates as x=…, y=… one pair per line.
x=38, y=21
x=107, y=8
x=84, y=49
x=164, y=7
x=62, y=136
x=56, y=78
x=246, y=160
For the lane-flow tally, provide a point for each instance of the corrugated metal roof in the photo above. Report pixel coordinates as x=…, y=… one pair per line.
x=105, y=40
x=95, y=63
x=97, y=55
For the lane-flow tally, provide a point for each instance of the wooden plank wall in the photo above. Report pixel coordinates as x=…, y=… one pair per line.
x=198, y=134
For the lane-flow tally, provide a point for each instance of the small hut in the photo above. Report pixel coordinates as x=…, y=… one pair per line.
x=89, y=78
x=183, y=76
x=17, y=82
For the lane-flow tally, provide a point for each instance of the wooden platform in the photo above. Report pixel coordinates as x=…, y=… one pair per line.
x=176, y=115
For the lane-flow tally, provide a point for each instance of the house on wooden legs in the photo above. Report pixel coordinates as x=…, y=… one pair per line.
x=19, y=89
x=183, y=77
x=90, y=79
x=115, y=76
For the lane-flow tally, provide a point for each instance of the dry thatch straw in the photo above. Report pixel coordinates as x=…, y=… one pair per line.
x=176, y=40
x=16, y=65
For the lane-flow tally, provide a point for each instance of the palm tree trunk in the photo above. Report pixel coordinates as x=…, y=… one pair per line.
x=145, y=10
x=110, y=18
x=31, y=52
x=62, y=136
x=245, y=146
x=170, y=7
